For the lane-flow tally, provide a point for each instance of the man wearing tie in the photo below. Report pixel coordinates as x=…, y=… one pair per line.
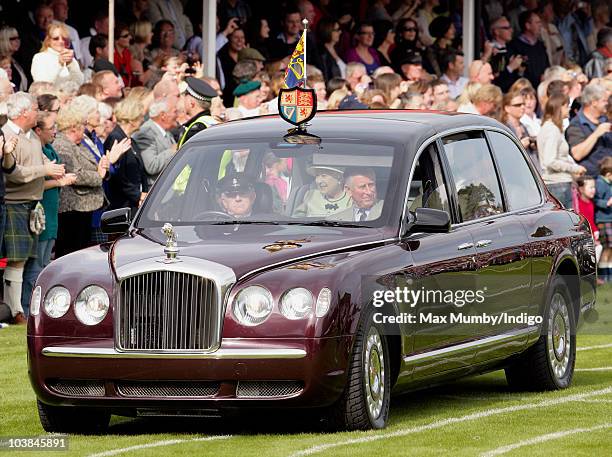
x=153, y=140
x=360, y=183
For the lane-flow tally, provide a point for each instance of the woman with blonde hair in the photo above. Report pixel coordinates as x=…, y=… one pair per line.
x=55, y=61
x=558, y=167
x=79, y=201
x=9, y=45
x=128, y=185
x=480, y=72
x=333, y=102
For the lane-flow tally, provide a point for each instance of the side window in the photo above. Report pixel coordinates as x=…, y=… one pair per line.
x=521, y=188
x=427, y=189
x=474, y=175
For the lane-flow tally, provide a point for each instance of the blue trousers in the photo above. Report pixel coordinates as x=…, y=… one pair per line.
x=32, y=269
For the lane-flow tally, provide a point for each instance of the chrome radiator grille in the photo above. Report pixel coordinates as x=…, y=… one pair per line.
x=167, y=310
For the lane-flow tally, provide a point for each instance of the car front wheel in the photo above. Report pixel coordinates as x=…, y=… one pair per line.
x=365, y=401
x=61, y=419
x=549, y=364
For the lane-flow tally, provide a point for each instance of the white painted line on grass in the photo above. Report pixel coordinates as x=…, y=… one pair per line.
x=452, y=420
x=589, y=348
x=595, y=401
x=543, y=439
x=157, y=444
x=594, y=369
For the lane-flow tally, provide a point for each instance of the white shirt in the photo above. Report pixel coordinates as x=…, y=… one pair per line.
x=246, y=112
x=161, y=129
x=358, y=211
x=468, y=108
x=454, y=87
x=533, y=124
x=46, y=67
x=17, y=130
x=87, y=58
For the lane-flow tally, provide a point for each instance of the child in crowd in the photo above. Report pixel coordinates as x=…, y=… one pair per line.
x=603, y=215
x=584, y=204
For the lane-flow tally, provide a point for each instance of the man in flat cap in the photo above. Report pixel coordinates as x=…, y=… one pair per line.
x=198, y=97
x=249, y=98
x=236, y=195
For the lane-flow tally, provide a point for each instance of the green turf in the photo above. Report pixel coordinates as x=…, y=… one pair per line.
x=263, y=436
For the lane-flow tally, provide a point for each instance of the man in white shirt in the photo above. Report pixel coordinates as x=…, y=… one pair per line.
x=100, y=25
x=452, y=69
x=60, y=14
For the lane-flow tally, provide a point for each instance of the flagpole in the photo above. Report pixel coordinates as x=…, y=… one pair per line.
x=305, y=22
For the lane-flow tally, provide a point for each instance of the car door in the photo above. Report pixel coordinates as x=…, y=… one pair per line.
x=443, y=262
x=503, y=269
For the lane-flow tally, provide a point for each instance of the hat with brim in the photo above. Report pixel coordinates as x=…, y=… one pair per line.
x=250, y=54
x=316, y=169
x=246, y=88
x=237, y=182
x=199, y=89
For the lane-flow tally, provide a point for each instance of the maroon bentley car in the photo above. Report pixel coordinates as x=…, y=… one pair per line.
x=314, y=270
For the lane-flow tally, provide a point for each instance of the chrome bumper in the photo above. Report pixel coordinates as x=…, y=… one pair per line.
x=221, y=354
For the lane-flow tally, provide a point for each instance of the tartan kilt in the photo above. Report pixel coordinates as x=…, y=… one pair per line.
x=19, y=242
x=605, y=234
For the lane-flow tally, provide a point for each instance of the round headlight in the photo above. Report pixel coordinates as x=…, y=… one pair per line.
x=253, y=305
x=57, y=302
x=35, y=302
x=323, y=302
x=91, y=305
x=296, y=303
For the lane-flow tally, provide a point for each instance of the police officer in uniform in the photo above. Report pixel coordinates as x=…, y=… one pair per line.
x=198, y=97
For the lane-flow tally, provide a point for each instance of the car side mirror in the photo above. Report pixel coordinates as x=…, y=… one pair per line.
x=116, y=221
x=428, y=220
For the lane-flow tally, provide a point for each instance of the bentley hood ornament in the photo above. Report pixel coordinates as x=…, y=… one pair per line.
x=171, y=249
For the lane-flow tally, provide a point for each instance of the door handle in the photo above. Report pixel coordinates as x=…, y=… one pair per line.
x=483, y=243
x=464, y=246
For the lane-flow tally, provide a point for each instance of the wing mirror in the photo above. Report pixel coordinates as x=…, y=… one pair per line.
x=428, y=220
x=116, y=221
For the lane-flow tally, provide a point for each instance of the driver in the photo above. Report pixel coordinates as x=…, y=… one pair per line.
x=236, y=195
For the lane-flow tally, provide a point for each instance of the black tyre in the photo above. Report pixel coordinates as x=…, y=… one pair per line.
x=549, y=364
x=61, y=419
x=364, y=404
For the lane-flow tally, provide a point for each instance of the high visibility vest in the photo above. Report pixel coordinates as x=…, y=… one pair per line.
x=205, y=120
x=180, y=183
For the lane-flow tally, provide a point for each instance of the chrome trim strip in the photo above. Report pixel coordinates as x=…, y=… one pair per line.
x=516, y=334
x=452, y=132
x=221, y=354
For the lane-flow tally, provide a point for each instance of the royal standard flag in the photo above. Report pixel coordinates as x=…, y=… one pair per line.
x=295, y=76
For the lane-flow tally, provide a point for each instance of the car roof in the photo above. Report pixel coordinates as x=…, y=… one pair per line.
x=411, y=127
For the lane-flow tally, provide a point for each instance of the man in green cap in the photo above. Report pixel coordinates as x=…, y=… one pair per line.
x=198, y=97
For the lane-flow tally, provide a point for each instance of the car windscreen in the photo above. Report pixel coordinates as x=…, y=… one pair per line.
x=340, y=182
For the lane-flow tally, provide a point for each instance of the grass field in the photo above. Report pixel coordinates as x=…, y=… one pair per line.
x=477, y=416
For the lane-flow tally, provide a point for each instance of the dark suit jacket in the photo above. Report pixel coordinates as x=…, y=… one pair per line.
x=129, y=179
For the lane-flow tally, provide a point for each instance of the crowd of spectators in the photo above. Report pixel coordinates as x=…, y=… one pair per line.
x=81, y=134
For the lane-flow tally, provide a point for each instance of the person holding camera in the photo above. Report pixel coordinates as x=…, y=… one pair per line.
x=514, y=108
x=558, y=167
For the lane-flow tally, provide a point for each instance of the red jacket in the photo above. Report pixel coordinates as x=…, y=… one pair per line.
x=123, y=64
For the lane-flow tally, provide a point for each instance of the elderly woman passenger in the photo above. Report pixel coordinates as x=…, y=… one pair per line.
x=79, y=201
